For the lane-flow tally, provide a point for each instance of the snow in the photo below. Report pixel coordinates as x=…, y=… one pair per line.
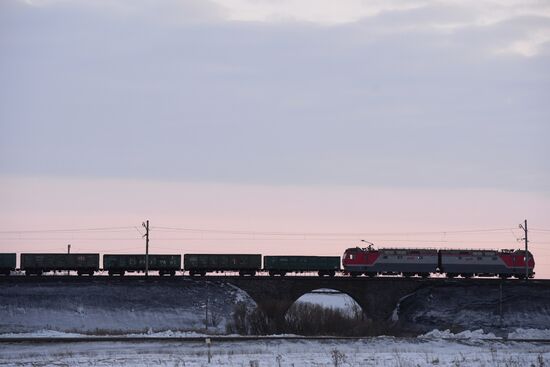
x=148, y=334
x=381, y=351
x=480, y=334
x=467, y=334
x=395, y=313
x=331, y=299
x=121, y=308
x=529, y=334
x=42, y=334
x=473, y=306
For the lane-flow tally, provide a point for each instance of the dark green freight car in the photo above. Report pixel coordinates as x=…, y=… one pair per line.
x=120, y=264
x=323, y=265
x=40, y=263
x=200, y=264
x=7, y=263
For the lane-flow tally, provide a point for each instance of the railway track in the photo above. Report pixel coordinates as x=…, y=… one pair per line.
x=259, y=278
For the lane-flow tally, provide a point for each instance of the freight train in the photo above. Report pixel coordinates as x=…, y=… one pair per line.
x=355, y=262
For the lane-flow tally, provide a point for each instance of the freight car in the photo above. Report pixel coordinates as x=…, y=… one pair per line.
x=7, y=263
x=121, y=264
x=323, y=265
x=200, y=264
x=40, y=263
x=391, y=261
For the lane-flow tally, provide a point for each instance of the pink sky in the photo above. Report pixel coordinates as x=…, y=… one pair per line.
x=331, y=218
x=356, y=120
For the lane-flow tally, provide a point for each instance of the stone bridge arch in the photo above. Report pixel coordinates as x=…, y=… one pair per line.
x=274, y=296
x=336, y=292
x=311, y=288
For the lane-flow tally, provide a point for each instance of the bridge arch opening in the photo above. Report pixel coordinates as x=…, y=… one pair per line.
x=326, y=311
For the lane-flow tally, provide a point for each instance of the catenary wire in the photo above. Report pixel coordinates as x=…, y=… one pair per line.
x=347, y=234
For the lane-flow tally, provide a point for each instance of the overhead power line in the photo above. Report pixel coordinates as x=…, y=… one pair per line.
x=98, y=229
x=330, y=234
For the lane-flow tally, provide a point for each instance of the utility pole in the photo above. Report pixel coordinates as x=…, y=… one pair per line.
x=68, y=252
x=146, y=235
x=524, y=227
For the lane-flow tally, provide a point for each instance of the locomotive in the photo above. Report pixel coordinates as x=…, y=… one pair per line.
x=424, y=262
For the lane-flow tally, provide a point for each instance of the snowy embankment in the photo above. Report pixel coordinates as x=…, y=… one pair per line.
x=183, y=305
x=465, y=306
x=120, y=308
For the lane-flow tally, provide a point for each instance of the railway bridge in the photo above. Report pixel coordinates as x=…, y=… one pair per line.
x=378, y=297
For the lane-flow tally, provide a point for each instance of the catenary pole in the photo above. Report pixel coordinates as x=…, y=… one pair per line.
x=526, y=253
x=526, y=257
x=146, y=225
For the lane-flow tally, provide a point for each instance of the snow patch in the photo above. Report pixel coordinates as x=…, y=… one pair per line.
x=395, y=313
x=42, y=334
x=467, y=334
x=529, y=334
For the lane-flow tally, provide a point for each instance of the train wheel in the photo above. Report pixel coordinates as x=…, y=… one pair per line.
x=425, y=275
x=354, y=274
x=172, y=273
x=331, y=273
x=450, y=275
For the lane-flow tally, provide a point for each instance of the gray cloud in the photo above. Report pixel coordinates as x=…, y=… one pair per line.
x=388, y=100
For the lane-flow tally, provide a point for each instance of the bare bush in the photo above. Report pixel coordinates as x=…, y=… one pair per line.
x=306, y=319
x=312, y=319
x=337, y=357
x=238, y=325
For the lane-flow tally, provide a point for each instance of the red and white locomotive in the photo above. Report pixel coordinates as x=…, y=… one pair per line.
x=423, y=262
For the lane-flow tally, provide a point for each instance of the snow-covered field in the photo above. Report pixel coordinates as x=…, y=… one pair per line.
x=380, y=351
x=180, y=310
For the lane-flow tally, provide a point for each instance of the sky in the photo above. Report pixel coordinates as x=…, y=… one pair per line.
x=277, y=127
